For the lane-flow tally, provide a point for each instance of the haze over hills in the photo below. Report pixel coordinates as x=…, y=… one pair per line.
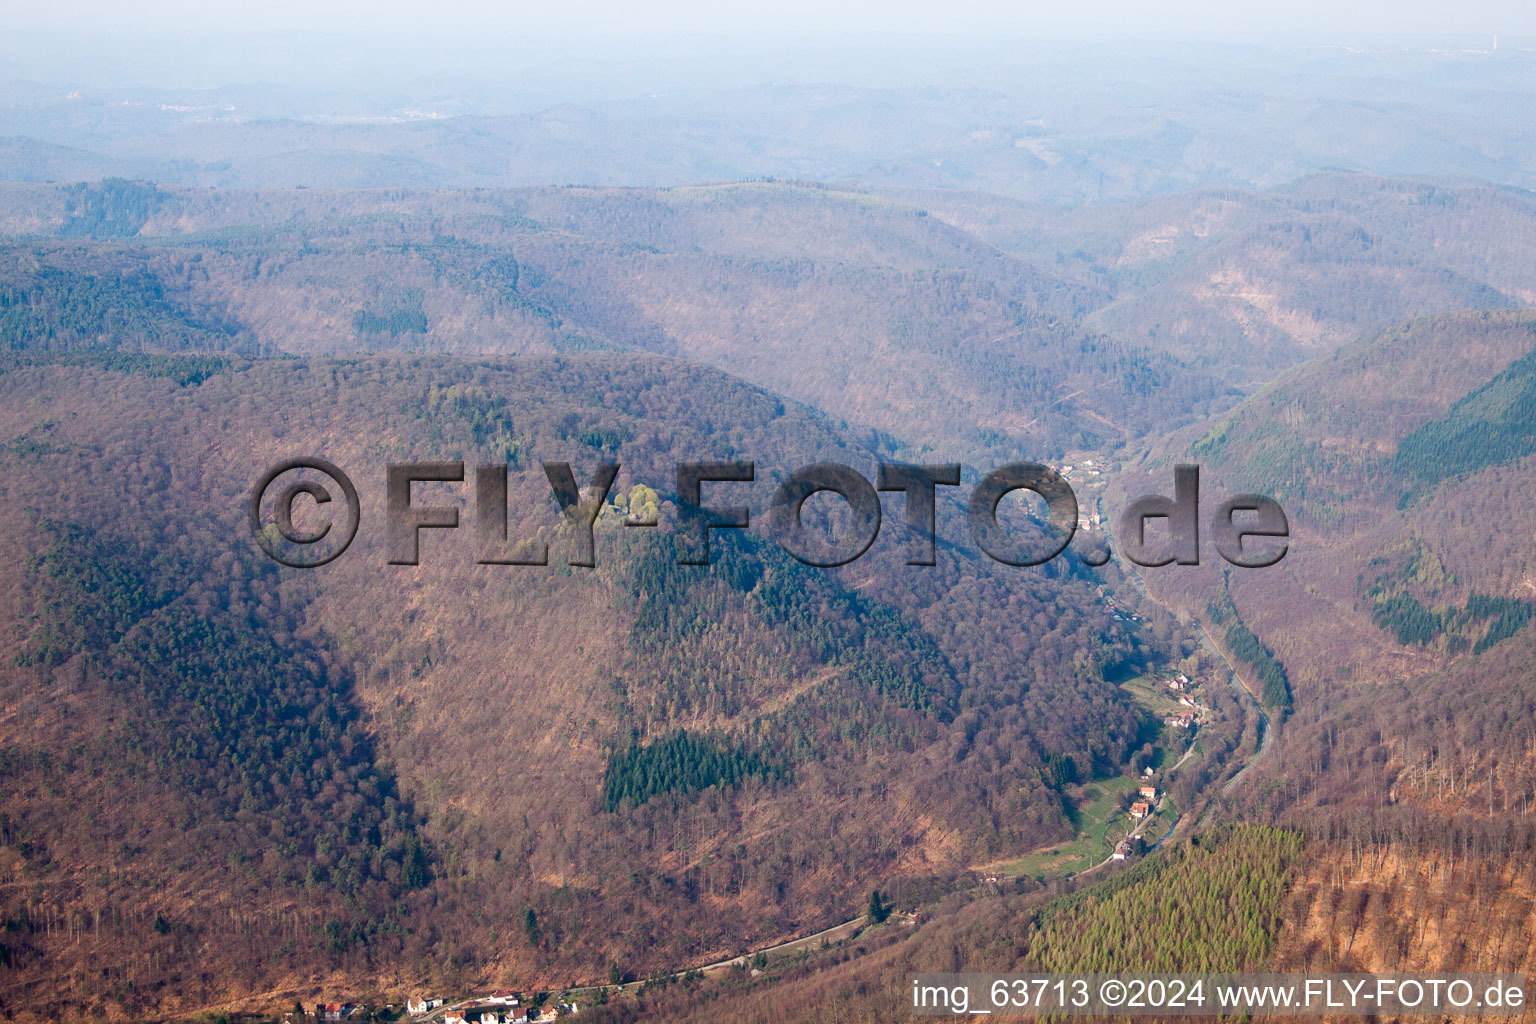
x=1060, y=120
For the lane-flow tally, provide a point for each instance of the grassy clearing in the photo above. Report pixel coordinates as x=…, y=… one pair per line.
x=1153, y=695
x=1102, y=821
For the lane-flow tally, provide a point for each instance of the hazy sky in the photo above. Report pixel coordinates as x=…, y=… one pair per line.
x=1472, y=17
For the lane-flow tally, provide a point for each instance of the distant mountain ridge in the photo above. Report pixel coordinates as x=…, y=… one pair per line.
x=934, y=318
x=867, y=308
x=1059, y=120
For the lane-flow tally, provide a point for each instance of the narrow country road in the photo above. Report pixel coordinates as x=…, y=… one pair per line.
x=839, y=931
x=1237, y=681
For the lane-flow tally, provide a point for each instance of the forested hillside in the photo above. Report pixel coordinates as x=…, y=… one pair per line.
x=937, y=317
x=332, y=777
x=1213, y=904
x=227, y=784
x=866, y=308
x=1243, y=284
x=1400, y=614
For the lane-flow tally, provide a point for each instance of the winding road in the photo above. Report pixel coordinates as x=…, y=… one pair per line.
x=1237, y=681
x=847, y=928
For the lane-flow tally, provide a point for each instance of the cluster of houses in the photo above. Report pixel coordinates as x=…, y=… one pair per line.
x=515, y=1015
x=1086, y=521
x=1143, y=807
x=503, y=1008
x=1089, y=468
x=1182, y=688
x=1113, y=609
x=1141, y=810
